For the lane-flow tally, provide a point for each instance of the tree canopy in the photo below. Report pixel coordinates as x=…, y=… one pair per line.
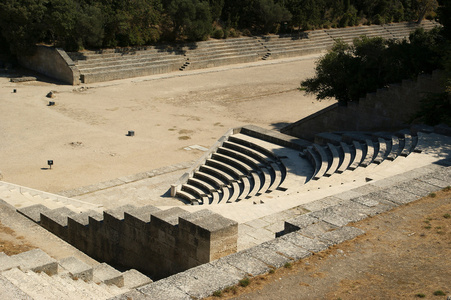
x=77, y=24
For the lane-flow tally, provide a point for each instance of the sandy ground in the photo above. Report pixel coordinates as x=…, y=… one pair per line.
x=410, y=262
x=85, y=132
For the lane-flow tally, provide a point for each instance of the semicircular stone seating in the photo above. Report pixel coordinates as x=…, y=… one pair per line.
x=238, y=170
x=341, y=151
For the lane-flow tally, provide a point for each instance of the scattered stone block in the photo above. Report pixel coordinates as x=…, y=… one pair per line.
x=36, y=260
x=341, y=234
x=76, y=268
x=108, y=275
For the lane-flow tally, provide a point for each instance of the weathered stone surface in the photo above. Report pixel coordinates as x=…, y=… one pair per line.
x=134, y=279
x=246, y=263
x=286, y=248
x=76, y=268
x=322, y=203
x=133, y=294
x=397, y=196
x=163, y=290
x=429, y=178
x=222, y=264
x=366, y=189
x=329, y=215
x=354, y=211
x=202, y=281
x=108, y=275
x=313, y=245
x=7, y=262
x=341, y=234
x=33, y=212
x=10, y=291
x=417, y=187
x=299, y=222
x=266, y=255
x=317, y=229
x=36, y=260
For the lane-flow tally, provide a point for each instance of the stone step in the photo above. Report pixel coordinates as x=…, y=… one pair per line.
x=104, y=273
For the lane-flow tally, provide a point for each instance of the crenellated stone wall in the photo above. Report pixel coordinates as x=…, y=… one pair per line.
x=156, y=242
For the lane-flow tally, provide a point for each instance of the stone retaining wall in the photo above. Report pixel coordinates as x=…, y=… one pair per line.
x=158, y=243
x=52, y=62
x=387, y=108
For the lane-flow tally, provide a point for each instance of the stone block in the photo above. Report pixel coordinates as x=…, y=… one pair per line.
x=354, y=211
x=286, y=248
x=108, y=275
x=36, y=260
x=299, y=222
x=397, y=195
x=317, y=229
x=55, y=221
x=33, y=212
x=166, y=220
x=311, y=244
x=134, y=279
x=136, y=217
x=163, y=290
x=341, y=234
x=246, y=263
x=132, y=294
x=429, y=178
x=76, y=268
x=113, y=218
x=7, y=262
x=417, y=187
x=322, y=203
x=9, y=290
x=222, y=264
x=266, y=255
x=329, y=215
x=202, y=281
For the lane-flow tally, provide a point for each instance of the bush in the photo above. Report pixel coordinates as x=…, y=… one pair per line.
x=218, y=34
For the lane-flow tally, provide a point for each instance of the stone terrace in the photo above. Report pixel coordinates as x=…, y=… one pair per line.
x=112, y=64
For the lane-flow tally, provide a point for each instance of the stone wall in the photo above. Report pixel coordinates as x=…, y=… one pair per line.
x=387, y=108
x=155, y=242
x=52, y=62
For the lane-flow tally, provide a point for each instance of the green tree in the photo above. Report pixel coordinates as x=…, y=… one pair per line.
x=21, y=24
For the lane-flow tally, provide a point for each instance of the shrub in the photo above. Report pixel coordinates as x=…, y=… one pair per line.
x=218, y=34
x=244, y=282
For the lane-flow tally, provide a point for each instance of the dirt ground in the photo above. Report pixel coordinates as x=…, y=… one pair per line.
x=405, y=254
x=11, y=243
x=85, y=132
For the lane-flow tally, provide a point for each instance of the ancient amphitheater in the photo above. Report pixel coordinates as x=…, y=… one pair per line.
x=253, y=201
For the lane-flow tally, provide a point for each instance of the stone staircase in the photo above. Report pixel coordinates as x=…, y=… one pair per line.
x=26, y=200
x=251, y=162
x=35, y=275
x=120, y=63
x=215, y=53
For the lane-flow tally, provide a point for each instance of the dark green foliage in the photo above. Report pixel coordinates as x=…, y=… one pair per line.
x=21, y=23
x=350, y=72
x=81, y=24
x=435, y=109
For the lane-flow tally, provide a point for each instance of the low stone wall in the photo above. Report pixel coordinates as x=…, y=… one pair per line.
x=52, y=62
x=157, y=243
x=387, y=108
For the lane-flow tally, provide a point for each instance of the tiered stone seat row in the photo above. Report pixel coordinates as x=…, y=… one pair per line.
x=111, y=64
x=216, y=53
x=238, y=170
x=337, y=152
x=35, y=275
